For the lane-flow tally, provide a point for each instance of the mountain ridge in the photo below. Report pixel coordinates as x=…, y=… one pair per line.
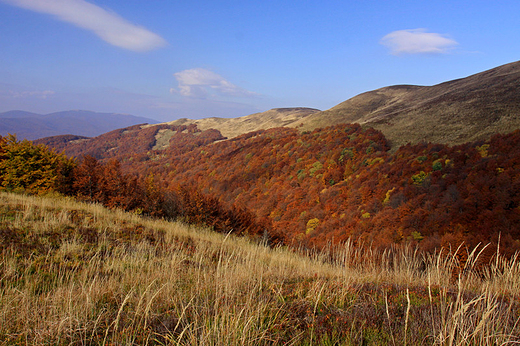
x=345, y=181
x=233, y=127
x=28, y=125
x=452, y=112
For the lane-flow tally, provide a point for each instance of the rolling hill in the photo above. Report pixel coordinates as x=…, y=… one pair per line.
x=313, y=184
x=373, y=210
x=454, y=112
x=233, y=127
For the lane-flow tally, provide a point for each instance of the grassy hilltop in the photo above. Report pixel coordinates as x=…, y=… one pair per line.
x=73, y=273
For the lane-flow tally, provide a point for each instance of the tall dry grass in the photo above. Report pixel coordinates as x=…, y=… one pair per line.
x=74, y=273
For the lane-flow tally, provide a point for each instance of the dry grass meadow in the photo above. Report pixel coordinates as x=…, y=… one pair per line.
x=79, y=274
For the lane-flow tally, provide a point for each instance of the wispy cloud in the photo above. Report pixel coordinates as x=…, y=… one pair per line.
x=199, y=83
x=30, y=94
x=417, y=41
x=109, y=26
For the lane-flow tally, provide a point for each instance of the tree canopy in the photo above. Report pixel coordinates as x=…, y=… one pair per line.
x=33, y=168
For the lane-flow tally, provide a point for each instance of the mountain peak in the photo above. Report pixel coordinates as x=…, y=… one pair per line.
x=453, y=112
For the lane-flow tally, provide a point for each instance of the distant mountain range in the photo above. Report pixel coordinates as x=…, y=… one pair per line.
x=27, y=125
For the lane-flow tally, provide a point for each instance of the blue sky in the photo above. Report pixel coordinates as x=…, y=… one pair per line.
x=171, y=59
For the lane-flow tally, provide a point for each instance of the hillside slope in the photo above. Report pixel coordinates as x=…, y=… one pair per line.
x=454, y=112
x=336, y=183
x=343, y=182
x=233, y=127
x=75, y=273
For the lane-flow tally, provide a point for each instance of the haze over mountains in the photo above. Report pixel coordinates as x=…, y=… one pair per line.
x=78, y=122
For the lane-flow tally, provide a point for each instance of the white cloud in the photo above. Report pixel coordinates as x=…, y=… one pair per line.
x=417, y=41
x=109, y=26
x=199, y=82
x=31, y=94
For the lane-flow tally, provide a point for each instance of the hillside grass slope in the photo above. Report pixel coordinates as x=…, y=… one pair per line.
x=73, y=273
x=233, y=127
x=335, y=183
x=454, y=112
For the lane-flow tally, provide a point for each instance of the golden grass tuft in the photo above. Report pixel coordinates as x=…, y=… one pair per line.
x=73, y=273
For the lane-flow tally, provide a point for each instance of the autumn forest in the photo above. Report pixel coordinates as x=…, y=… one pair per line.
x=296, y=188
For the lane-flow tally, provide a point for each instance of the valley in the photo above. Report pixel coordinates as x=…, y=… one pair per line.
x=258, y=231
x=310, y=185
